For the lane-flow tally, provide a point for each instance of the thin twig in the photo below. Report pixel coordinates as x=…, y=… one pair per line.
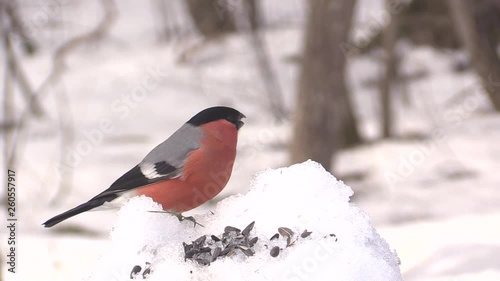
x=268, y=76
x=13, y=62
x=60, y=55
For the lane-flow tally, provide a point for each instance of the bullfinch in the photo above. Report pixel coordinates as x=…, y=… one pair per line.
x=189, y=168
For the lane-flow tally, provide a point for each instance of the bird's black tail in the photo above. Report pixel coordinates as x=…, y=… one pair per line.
x=91, y=204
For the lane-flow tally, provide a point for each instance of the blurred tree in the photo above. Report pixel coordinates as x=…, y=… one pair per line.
x=422, y=22
x=477, y=24
x=213, y=18
x=388, y=41
x=324, y=119
x=216, y=18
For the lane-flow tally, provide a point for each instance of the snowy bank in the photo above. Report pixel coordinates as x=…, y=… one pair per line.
x=342, y=244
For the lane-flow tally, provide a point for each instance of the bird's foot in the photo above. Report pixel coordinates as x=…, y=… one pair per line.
x=180, y=217
x=190, y=218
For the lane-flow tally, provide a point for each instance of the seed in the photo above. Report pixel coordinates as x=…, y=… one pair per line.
x=305, y=234
x=205, y=250
x=135, y=270
x=275, y=236
x=199, y=242
x=228, y=229
x=189, y=254
x=253, y=241
x=216, y=253
x=247, y=229
x=247, y=251
x=285, y=231
x=275, y=251
x=228, y=249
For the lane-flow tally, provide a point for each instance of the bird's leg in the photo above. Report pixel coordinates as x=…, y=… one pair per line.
x=180, y=217
x=190, y=218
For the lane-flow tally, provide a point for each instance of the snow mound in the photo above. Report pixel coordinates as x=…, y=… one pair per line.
x=342, y=245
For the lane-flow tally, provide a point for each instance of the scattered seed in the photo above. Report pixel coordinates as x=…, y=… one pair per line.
x=189, y=254
x=275, y=251
x=199, y=242
x=332, y=235
x=203, y=262
x=216, y=253
x=275, y=236
x=305, y=234
x=247, y=229
x=146, y=272
x=228, y=229
x=247, y=251
x=215, y=238
x=228, y=249
x=205, y=250
x=135, y=270
x=285, y=231
x=253, y=241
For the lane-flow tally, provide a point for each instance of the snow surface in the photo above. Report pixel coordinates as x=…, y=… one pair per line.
x=303, y=196
x=442, y=215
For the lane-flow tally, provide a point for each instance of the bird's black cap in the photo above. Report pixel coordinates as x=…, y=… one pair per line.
x=217, y=113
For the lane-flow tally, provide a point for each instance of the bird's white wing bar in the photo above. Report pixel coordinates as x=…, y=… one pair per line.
x=149, y=171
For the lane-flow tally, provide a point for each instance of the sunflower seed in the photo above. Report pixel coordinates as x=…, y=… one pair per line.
x=248, y=252
x=135, y=270
x=199, y=242
x=275, y=251
x=275, y=236
x=216, y=253
x=228, y=249
x=253, y=241
x=332, y=235
x=205, y=250
x=247, y=229
x=228, y=229
x=285, y=231
x=305, y=234
x=189, y=254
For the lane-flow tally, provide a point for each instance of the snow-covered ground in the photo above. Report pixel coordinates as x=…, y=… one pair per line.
x=432, y=193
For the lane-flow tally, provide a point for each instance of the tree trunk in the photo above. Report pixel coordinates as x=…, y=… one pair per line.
x=216, y=17
x=479, y=41
x=324, y=120
x=389, y=41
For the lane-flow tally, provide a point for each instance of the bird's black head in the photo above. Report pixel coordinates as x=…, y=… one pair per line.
x=218, y=113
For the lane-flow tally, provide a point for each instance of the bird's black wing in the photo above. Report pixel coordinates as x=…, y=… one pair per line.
x=141, y=175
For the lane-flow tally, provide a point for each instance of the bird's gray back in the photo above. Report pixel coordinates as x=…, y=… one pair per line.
x=175, y=149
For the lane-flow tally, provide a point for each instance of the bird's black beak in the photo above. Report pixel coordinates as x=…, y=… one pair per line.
x=240, y=123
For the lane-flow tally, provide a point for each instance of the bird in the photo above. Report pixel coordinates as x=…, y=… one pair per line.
x=189, y=168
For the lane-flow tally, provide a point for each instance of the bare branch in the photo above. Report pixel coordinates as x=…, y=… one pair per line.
x=14, y=66
x=62, y=52
x=243, y=20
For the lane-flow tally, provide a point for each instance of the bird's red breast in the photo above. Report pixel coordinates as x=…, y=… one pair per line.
x=205, y=173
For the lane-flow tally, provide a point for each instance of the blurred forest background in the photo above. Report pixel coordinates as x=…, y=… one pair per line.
x=399, y=99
